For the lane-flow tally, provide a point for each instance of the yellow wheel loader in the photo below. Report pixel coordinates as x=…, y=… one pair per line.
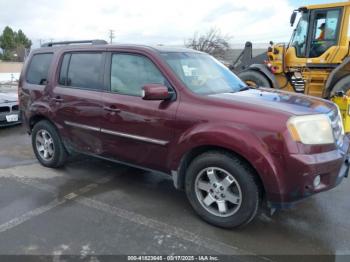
x=315, y=62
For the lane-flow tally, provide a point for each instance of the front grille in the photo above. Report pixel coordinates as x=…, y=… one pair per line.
x=337, y=127
x=4, y=109
x=15, y=108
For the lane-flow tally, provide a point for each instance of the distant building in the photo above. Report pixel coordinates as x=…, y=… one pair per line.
x=10, y=71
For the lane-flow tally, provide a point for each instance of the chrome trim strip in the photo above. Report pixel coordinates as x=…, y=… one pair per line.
x=110, y=132
x=93, y=128
x=140, y=138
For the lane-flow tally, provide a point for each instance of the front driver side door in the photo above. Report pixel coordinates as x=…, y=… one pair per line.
x=135, y=130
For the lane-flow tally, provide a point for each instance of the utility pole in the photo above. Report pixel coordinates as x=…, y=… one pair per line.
x=111, y=36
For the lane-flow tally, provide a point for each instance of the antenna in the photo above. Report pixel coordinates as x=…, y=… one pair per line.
x=111, y=36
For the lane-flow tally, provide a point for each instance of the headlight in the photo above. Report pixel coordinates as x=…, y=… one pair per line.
x=311, y=129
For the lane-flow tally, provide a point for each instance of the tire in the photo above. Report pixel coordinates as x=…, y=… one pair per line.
x=342, y=85
x=244, y=184
x=254, y=78
x=47, y=145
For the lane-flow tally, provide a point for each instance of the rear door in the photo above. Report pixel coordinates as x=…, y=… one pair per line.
x=76, y=99
x=135, y=130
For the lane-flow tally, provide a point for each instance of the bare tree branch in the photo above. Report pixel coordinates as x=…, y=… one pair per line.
x=211, y=42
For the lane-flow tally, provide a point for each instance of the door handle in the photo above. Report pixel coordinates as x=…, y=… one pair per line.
x=57, y=99
x=111, y=109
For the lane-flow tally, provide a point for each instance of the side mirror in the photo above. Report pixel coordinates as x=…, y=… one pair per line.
x=155, y=92
x=292, y=18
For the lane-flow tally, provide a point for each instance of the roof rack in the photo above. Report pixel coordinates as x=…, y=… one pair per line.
x=93, y=42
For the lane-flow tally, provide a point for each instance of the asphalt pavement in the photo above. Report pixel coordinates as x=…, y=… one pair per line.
x=92, y=207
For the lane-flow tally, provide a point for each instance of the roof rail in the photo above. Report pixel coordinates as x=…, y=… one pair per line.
x=93, y=42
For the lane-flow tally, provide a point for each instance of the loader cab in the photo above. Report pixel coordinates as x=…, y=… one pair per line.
x=315, y=58
x=317, y=34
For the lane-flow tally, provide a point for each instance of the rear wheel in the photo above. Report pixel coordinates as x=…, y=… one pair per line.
x=222, y=189
x=254, y=78
x=47, y=145
x=342, y=85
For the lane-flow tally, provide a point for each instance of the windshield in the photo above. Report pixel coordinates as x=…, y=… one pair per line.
x=203, y=74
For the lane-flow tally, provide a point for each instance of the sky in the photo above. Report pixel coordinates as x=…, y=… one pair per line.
x=168, y=22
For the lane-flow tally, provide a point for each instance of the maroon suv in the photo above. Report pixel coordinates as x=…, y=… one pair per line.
x=181, y=112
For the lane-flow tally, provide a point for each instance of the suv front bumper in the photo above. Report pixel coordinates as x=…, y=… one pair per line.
x=298, y=182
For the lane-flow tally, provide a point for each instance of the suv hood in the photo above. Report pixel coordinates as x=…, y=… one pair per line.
x=292, y=103
x=8, y=97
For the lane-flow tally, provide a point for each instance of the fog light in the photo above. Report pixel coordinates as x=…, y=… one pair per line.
x=317, y=181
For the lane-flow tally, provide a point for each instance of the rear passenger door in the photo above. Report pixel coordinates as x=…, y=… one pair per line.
x=76, y=99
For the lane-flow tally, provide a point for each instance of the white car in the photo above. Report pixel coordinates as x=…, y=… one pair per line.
x=9, y=113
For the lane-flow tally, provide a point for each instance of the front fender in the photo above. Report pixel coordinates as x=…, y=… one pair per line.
x=237, y=139
x=266, y=72
x=338, y=73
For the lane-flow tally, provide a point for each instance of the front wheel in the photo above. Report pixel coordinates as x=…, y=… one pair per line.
x=254, y=78
x=222, y=189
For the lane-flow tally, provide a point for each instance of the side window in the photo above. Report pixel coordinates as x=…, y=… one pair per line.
x=325, y=31
x=129, y=73
x=38, y=70
x=82, y=70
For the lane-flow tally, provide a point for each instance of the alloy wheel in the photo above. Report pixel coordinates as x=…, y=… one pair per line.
x=218, y=191
x=44, y=145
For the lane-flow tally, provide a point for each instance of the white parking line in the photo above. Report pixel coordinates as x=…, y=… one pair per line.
x=207, y=243
x=29, y=215
x=40, y=210
x=214, y=245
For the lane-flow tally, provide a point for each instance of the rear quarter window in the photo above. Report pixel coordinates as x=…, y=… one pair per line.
x=38, y=70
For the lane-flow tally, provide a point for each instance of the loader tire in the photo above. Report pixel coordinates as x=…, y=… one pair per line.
x=254, y=78
x=342, y=85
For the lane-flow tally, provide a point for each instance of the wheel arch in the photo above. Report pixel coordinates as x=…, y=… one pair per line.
x=336, y=75
x=194, y=152
x=262, y=69
x=33, y=120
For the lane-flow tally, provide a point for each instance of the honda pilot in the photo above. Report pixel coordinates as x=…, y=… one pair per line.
x=181, y=112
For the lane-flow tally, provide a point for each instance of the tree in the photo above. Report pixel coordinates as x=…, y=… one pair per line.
x=22, y=44
x=211, y=42
x=21, y=39
x=14, y=44
x=7, y=39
